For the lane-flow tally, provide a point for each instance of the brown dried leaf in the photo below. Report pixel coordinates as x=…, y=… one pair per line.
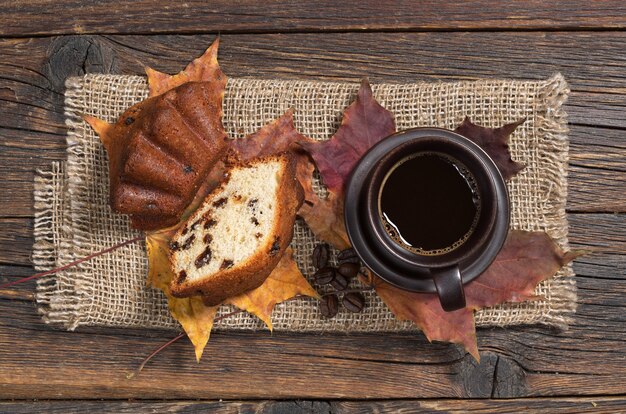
x=526, y=259
x=279, y=136
x=325, y=219
x=203, y=69
x=424, y=309
x=285, y=282
x=495, y=143
x=365, y=122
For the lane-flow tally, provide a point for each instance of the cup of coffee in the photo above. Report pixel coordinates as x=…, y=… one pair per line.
x=427, y=210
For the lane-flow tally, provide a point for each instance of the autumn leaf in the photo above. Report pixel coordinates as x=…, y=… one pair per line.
x=276, y=137
x=279, y=136
x=203, y=69
x=526, y=259
x=495, y=143
x=195, y=318
x=365, y=122
x=424, y=309
x=325, y=219
x=285, y=282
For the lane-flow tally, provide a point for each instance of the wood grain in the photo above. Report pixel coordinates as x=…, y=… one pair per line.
x=46, y=17
x=397, y=41
x=516, y=362
x=16, y=240
x=35, y=69
x=592, y=62
x=32, y=79
x=597, y=167
x=599, y=405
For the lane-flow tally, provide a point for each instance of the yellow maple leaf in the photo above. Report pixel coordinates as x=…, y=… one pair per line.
x=285, y=282
x=194, y=316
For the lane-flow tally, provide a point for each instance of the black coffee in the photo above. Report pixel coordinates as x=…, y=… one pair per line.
x=429, y=203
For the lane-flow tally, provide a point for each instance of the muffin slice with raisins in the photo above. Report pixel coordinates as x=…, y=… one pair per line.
x=237, y=236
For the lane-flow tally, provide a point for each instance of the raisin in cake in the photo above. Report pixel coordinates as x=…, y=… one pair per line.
x=238, y=235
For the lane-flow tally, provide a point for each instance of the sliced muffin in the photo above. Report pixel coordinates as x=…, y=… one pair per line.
x=237, y=236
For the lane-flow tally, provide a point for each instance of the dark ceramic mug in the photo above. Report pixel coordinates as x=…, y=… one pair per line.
x=444, y=273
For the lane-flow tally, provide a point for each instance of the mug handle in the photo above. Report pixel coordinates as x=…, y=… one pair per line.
x=449, y=288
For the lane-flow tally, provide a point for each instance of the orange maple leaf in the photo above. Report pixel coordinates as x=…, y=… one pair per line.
x=203, y=69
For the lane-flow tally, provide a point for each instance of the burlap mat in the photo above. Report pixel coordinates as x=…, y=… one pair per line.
x=73, y=218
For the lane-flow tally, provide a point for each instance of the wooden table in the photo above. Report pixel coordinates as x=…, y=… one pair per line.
x=42, y=42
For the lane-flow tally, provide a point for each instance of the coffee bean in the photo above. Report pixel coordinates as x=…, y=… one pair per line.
x=339, y=282
x=347, y=256
x=320, y=255
x=354, y=260
x=329, y=306
x=325, y=275
x=348, y=270
x=353, y=302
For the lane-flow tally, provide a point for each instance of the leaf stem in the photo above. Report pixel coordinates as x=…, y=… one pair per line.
x=179, y=336
x=159, y=349
x=176, y=338
x=74, y=263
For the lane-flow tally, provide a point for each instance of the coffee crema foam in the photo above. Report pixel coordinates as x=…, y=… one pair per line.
x=432, y=176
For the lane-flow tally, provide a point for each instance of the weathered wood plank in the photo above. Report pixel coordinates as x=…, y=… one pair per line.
x=16, y=240
x=46, y=17
x=527, y=405
x=520, y=361
x=599, y=405
x=21, y=154
x=32, y=76
x=597, y=170
x=603, y=236
x=95, y=365
x=592, y=62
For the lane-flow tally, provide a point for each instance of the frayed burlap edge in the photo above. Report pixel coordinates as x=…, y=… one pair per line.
x=52, y=247
x=560, y=291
